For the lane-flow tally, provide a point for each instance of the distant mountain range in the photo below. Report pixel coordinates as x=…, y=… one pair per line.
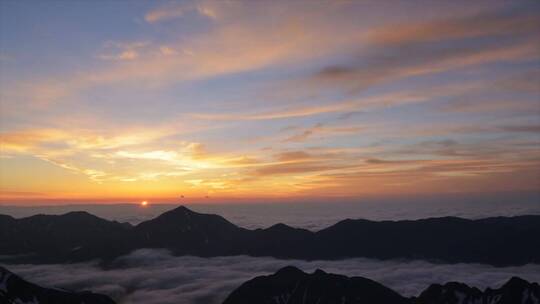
x=15, y=290
x=290, y=285
x=293, y=286
x=80, y=236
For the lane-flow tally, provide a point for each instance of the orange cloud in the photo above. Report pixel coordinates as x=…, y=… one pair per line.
x=168, y=12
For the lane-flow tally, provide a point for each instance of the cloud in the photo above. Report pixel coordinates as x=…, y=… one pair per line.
x=364, y=103
x=174, y=11
x=310, y=64
x=499, y=22
x=348, y=106
x=128, y=55
x=233, y=31
x=294, y=156
x=124, y=55
x=321, y=130
x=292, y=40
x=296, y=168
x=108, y=156
x=303, y=135
x=475, y=104
x=522, y=129
x=22, y=194
x=165, y=50
x=400, y=51
x=279, y=114
x=165, y=13
x=123, y=50
x=387, y=64
x=154, y=276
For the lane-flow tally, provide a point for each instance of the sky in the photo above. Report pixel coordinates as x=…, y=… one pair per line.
x=254, y=100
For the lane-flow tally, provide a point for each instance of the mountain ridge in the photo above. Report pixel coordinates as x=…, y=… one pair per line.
x=291, y=285
x=14, y=290
x=79, y=236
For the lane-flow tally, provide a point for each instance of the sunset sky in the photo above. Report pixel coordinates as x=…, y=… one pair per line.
x=133, y=100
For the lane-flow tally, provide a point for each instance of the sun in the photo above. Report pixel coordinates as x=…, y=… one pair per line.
x=144, y=203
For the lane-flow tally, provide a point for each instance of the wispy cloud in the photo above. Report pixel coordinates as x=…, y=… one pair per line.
x=173, y=11
x=535, y=129
x=401, y=51
x=320, y=130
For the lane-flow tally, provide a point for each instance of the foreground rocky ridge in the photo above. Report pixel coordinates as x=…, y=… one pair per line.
x=293, y=286
x=80, y=236
x=15, y=290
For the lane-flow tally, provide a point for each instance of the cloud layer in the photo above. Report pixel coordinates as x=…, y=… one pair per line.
x=154, y=276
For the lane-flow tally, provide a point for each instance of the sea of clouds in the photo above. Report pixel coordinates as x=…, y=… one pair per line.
x=155, y=276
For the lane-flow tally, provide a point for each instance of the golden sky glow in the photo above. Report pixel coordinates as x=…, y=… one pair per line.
x=267, y=99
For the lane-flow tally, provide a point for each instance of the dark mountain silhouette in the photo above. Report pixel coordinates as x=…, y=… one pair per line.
x=516, y=290
x=279, y=241
x=78, y=236
x=14, y=290
x=496, y=241
x=73, y=236
x=293, y=286
x=186, y=232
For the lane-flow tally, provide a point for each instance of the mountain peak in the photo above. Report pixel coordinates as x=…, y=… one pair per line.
x=289, y=271
x=516, y=290
x=79, y=214
x=69, y=216
x=178, y=213
x=181, y=210
x=292, y=285
x=280, y=227
x=319, y=272
x=6, y=218
x=516, y=284
x=184, y=230
x=516, y=281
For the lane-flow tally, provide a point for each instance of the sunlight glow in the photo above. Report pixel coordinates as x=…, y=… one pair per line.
x=346, y=102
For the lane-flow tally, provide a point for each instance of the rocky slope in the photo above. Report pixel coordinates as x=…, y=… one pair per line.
x=15, y=290
x=293, y=286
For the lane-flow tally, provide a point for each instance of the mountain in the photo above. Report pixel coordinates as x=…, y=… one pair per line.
x=186, y=232
x=516, y=290
x=78, y=236
x=74, y=236
x=279, y=240
x=497, y=241
x=15, y=290
x=293, y=286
